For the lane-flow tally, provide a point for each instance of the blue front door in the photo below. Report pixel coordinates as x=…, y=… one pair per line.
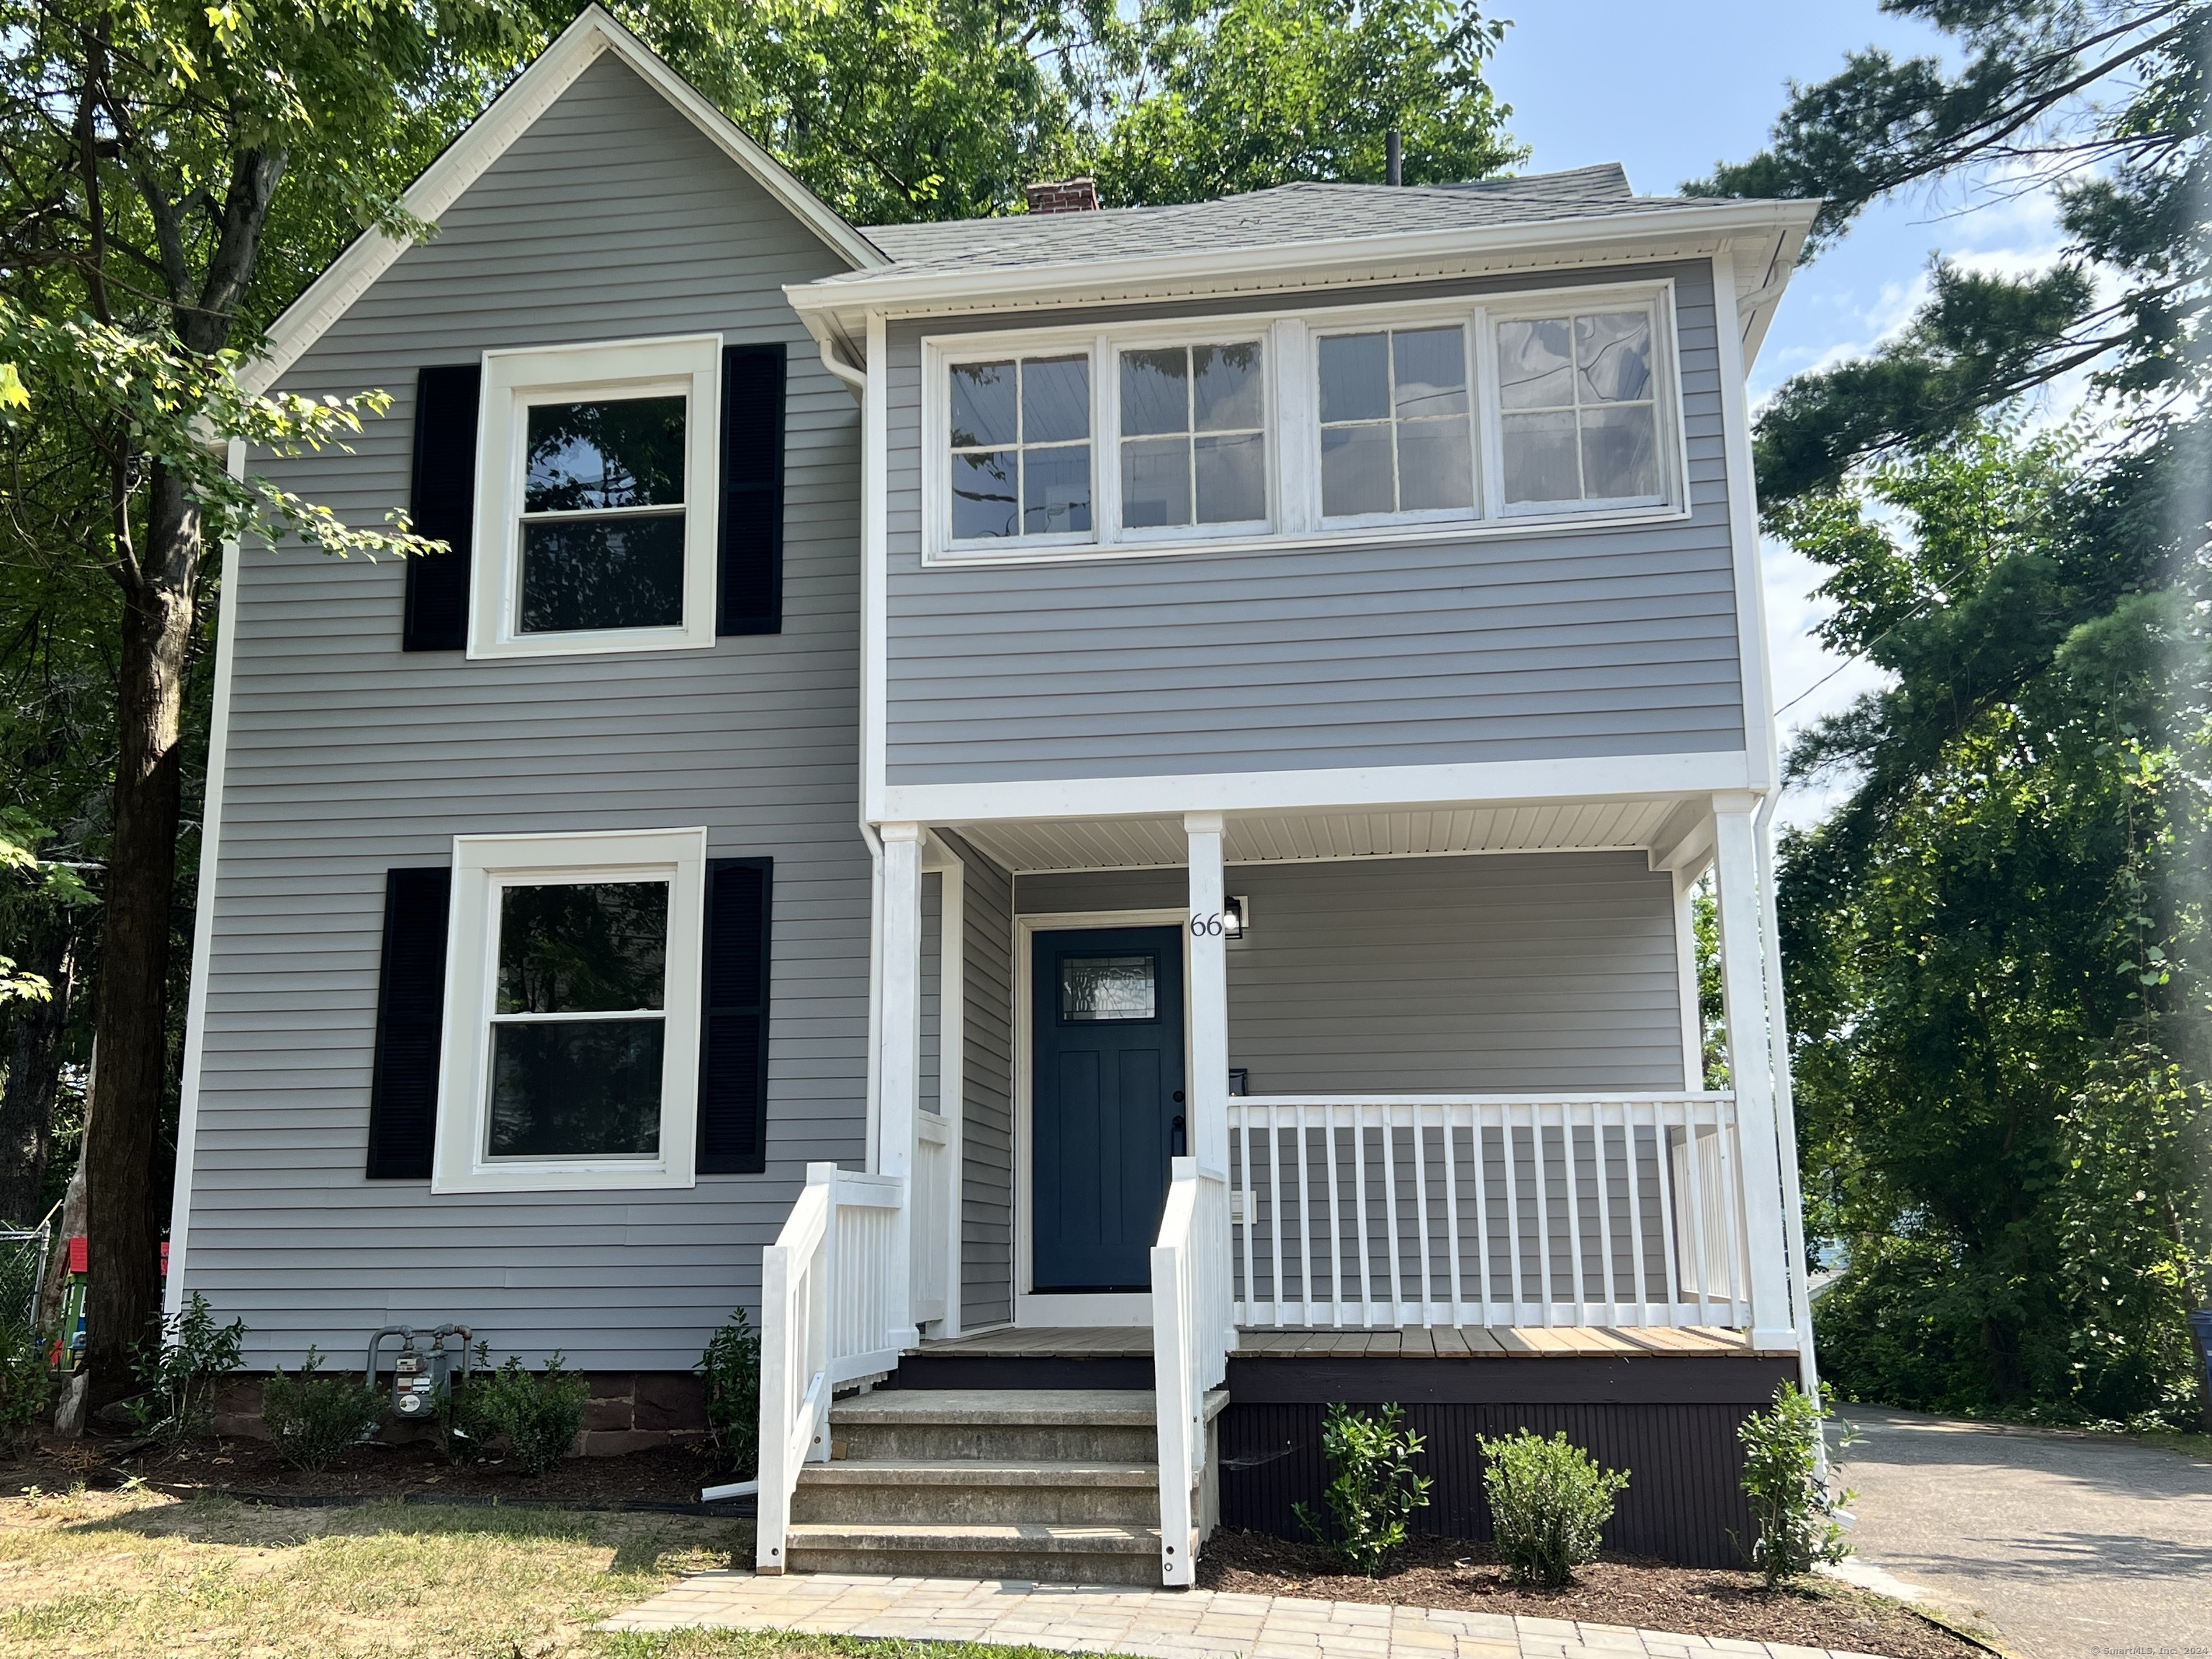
x=1106, y=1107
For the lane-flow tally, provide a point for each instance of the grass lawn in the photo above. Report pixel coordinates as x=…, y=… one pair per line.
x=127, y=1575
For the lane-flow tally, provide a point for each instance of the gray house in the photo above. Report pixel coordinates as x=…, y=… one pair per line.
x=1092, y=815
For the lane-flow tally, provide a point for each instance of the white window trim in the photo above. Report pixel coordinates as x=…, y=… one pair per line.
x=513, y=381
x=1292, y=404
x=483, y=865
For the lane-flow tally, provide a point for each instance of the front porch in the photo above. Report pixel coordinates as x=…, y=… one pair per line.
x=1238, y=1115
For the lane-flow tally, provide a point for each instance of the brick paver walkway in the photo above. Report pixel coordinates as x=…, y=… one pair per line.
x=1162, y=1623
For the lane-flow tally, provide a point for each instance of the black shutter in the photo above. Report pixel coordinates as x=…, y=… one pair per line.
x=733, y=1045
x=411, y=1012
x=442, y=502
x=751, y=575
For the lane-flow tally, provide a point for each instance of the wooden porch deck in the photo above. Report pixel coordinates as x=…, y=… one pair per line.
x=1407, y=1342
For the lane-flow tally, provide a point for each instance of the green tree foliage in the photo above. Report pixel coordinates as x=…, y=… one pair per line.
x=1996, y=944
x=1241, y=95
x=2103, y=103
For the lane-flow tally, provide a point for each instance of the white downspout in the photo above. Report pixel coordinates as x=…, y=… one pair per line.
x=856, y=382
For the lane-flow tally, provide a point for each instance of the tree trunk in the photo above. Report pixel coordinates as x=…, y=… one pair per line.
x=34, y=1066
x=132, y=1027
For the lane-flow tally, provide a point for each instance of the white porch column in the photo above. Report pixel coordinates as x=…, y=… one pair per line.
x=899, y=1060
x=1209, y=996
x=1746, y=974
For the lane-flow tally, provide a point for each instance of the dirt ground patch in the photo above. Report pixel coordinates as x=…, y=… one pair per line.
x=668, y=1474
x=1443, y=1573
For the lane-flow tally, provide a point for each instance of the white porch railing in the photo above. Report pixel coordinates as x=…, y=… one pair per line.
x=934, y=1189
x=1488, y=1210
x=1191, y=1338
x=830, y=1301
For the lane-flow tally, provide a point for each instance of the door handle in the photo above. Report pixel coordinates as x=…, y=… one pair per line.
x=1176, y=1147
x=1178, y=1101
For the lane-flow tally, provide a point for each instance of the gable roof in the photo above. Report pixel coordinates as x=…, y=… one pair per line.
x=528, y=96
x=1284, y=216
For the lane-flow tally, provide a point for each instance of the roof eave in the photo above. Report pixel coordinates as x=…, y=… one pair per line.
x=1348, y=259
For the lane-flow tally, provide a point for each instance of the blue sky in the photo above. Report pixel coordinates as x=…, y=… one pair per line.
x=1667, y=89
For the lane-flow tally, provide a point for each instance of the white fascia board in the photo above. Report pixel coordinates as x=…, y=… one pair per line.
x=1769, y=264
x=510, y=115
x=1655, y=233
x=1375, y=789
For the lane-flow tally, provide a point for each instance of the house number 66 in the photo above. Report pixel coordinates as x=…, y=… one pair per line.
x=1206, y=926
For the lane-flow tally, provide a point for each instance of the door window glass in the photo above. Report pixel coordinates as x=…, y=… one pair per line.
x=1094, y=989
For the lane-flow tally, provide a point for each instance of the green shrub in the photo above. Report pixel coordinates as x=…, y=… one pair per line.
x=1792, y=1507
x=537, y=1416
x=26, y=1386
x=313, y=1419
x=183, y=1365
x=1549, y=1501
x=1373, y=1490
x=730, y=1366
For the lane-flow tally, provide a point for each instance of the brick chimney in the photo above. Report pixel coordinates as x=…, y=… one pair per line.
x=1064, y=196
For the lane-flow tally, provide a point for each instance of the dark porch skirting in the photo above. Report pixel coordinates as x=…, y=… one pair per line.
x=1669, y=1420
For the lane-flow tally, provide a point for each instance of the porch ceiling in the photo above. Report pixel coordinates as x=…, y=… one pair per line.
x=1281, y=838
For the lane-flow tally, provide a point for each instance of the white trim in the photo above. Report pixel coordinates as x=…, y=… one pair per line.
x=1652, y=234
x=1293, y=435
x=689, y=366
x=951, y=872
x=875, y=578
x=1686, y=977
x=899, y=1068
x=1760, y=740
x=1054, y=1311
x=196, y=997
x=1029, y=1307
x=508, y=116
x=482, y=865
x=1488, y=783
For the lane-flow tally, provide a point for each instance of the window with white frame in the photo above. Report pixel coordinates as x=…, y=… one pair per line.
x=1395, y=414
x=1485, y=413
x=595, y=498
x=1578, y=408
x=572, y=1017
x=1020, y=448
x=1193, y=436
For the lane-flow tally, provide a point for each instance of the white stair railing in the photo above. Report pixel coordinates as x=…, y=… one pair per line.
x=832, y=1299
x=1488, y=1210
x=1191, y=1335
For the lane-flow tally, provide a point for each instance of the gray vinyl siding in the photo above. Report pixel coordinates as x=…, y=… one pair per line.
x=613, y=217
x=986, y=1134
x=1547, y=645
x=1498, y=973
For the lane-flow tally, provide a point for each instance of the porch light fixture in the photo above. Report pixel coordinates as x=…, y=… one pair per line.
x=1236, y=914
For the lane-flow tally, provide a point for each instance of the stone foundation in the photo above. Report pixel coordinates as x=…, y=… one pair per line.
x=626, y=1412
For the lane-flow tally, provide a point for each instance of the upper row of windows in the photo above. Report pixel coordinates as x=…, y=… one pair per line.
x=1117, y=439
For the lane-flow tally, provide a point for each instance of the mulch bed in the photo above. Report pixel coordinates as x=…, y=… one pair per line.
x=1446, y=1573
x=248, y=1468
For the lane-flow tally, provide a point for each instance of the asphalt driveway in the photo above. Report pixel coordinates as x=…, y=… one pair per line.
x=2073, y=1546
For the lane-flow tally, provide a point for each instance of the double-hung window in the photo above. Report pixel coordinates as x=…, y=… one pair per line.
x=1193, y=436
x=596, y=498
x=1578, y=409
x=572, y=1021
x=1395, y=437
x=1020, y=448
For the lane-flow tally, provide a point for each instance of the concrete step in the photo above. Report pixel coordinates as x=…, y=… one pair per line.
x=1093, y=1554
x=1035, y=1425
x=976, y=1493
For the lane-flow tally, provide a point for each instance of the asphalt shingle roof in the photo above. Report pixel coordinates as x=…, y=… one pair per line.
x=1287, y=214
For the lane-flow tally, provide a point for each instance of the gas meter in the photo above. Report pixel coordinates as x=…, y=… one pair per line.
x=422, y=1380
